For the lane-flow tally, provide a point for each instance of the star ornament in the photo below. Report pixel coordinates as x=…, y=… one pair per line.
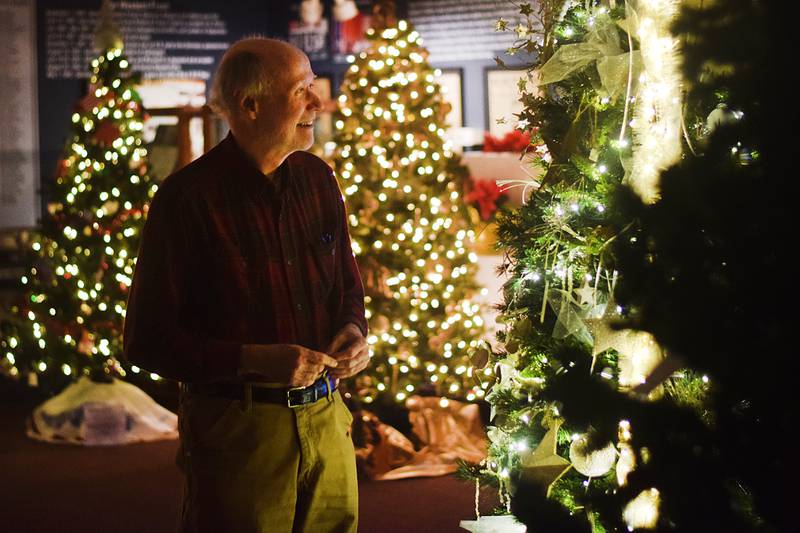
x=586, y=295
x=605, y=337
x=544, y=466
x=639, y=351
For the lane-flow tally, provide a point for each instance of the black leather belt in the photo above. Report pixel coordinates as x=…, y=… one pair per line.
x=291, y=397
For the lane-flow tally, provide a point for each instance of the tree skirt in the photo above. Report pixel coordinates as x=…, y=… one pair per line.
x=101, y=414
x=494, y=524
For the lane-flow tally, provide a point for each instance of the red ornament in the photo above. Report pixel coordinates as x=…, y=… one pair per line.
x=89, y=102
x=107, y=132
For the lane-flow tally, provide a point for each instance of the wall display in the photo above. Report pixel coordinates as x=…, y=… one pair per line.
x=308, y=28
x=502, y=99
x=455, y=30
x=351, y=19
x=450, y=80
x=159, y=41
x=19, y=148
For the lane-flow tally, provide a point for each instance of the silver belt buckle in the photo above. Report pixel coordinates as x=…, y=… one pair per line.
x=289, y=397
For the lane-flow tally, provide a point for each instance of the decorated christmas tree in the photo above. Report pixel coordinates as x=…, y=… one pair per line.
x=409, y=225
x=654, y=421
x=82, y=260
x=697, y=454
x=602, y=92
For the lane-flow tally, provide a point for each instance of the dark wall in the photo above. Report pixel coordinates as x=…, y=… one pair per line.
x=58, y=95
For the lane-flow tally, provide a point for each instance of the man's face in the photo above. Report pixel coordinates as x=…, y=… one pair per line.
x=287, y=120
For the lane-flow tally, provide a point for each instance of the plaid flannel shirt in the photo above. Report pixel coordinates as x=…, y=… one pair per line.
x=229, y=257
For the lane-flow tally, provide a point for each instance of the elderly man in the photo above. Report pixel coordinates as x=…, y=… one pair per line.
x=247, y=292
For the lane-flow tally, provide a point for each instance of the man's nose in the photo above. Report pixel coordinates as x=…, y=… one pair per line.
x=315, y=103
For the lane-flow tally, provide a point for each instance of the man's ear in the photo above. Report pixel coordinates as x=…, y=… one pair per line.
x=249, y=107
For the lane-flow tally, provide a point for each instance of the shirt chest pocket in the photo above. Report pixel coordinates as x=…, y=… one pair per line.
x=323, y=244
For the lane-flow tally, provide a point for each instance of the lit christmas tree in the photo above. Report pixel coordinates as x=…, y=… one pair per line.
x=691, y=267
x=606, y=111
x=409, y=225
x=70, y=322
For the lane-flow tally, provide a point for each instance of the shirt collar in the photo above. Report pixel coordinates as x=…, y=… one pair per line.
x=240, y=165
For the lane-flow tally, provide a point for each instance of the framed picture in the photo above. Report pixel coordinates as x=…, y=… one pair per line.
x=308, y=28
x=350, y=21
x=453, y=94
x=323, y=127
x=502, y=99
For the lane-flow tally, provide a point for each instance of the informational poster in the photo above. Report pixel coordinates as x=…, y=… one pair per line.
x=503, y=99
x=455, y=30
x=351, y=19
x=308, y=29
x=177, y=42
x=19, y=138
x=161, y=42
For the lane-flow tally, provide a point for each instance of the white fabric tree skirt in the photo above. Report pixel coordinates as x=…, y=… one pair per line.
x=102, y=414
x=494, y=524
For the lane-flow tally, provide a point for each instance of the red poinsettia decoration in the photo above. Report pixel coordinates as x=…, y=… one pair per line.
x=513, y=141
x=487, y=196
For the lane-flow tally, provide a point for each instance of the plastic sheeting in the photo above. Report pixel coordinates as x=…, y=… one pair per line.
x=98, y=414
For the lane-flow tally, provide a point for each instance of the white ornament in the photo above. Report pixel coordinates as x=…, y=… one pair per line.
x=591, y=464
x=720, y=116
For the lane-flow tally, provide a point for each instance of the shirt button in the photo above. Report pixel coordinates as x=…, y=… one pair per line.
x=299, y=307
x=289, y=262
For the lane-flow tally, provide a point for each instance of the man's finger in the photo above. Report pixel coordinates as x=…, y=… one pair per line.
x=352, y=350
x=353, y=360
x=323, y=359
x=338, y=341
x=334, y=345
x=348, y=372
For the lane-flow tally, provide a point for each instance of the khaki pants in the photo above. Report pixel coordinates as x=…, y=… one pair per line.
x=262, y=467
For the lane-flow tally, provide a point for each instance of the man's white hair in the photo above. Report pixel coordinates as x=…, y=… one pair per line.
x=242, y=73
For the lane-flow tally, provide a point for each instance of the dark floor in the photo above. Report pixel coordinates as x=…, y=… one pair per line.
x=136, y=488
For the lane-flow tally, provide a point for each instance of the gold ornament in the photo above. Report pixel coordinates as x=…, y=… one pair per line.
x=544, y=466
x=642, y=511
x=626, y=463
x=111, y=207
x=480, y=357
x=591, y=463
